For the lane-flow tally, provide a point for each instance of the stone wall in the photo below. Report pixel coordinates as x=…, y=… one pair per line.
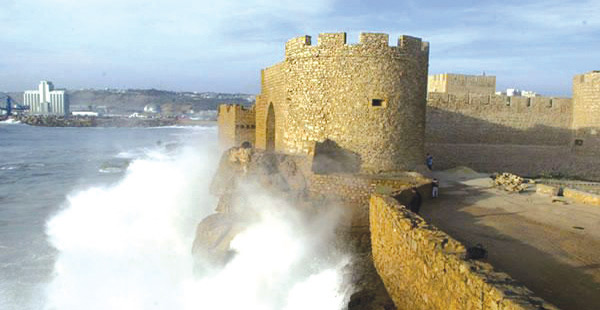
x=424, y=268
x=495, y=133
x=236, y=125
x=498, y=119
x=369, y=98
x=272, y=95
x=527, y=160
x=353, y=191
x=586, y=114
x=461, y=84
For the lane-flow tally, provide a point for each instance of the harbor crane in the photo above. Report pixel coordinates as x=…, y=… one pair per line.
x=9, y=107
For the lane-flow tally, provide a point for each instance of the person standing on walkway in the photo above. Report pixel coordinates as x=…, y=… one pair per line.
x=429, y=161
x=435, y=185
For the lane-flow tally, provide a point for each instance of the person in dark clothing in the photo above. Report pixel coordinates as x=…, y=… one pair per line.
x=429, y=161
x=415, y=202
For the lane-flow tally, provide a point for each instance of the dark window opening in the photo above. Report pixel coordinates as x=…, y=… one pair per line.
x=528, y=102
x=578, y=142
x=551, y=103
x=377, y=102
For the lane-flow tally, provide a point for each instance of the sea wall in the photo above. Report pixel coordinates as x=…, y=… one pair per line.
x=424, y=268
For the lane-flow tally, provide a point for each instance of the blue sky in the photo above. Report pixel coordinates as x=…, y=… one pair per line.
x=199, y=45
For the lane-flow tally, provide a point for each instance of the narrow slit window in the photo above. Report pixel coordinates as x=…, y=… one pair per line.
x=377, y=102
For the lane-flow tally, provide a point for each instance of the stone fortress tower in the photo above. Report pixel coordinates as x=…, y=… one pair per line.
x=586, y=112
x=368, y=98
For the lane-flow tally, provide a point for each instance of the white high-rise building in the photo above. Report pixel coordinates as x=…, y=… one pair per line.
x=46, y=100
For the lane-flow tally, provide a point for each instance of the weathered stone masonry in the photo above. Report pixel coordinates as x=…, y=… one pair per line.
x=424, y=268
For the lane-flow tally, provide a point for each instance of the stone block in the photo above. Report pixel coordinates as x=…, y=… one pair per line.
x=582, y=197
x=547, y=190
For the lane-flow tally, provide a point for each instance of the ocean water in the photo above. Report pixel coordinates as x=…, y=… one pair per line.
x=39, y=168
x=104, y=218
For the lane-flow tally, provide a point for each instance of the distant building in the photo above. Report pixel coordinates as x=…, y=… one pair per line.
x=46, y=100
x=514, y=92
x=152, y=108
x=85, y=113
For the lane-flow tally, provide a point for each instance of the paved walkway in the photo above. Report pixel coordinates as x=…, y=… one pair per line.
x=553, y=248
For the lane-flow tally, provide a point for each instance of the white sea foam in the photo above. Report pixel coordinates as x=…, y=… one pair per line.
x=10, y=121
x=129, y=247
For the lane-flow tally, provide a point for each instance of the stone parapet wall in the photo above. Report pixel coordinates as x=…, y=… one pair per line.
x=369, y=45
x=354, y=191
x=424, y=268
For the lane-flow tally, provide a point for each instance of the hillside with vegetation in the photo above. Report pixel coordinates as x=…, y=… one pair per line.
x=127, y=101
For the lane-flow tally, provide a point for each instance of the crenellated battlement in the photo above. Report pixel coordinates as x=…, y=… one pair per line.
x=497, y=103
x=374, y=39
x=331, y=39
x=369, y=44
x=234, y=108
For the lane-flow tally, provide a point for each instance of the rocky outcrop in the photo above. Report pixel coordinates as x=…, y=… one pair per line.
x=288, y=178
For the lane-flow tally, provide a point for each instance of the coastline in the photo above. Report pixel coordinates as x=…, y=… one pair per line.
x=61, y=121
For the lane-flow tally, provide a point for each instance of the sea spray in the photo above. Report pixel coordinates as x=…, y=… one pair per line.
x=128, y=246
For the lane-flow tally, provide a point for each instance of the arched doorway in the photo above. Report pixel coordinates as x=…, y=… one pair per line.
x=271, y=128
